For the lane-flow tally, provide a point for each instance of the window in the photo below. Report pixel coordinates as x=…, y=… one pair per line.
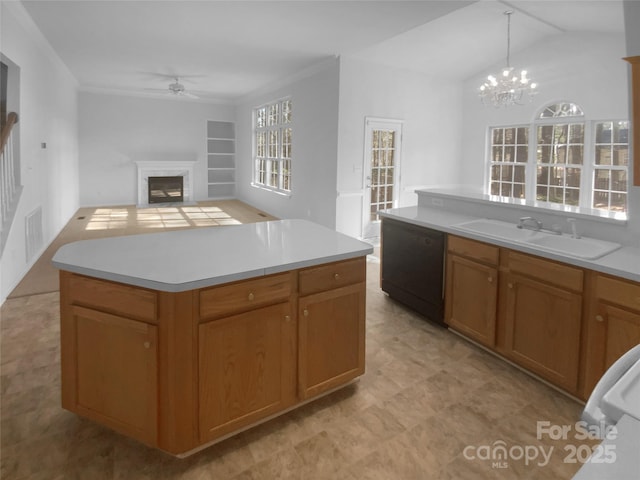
x=272, y=145
x=553, y=163
x=559, y=156
x=611, y=162
x=509, y=156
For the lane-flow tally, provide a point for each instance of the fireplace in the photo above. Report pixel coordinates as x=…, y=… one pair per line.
x=166, y=189
x=164, y=168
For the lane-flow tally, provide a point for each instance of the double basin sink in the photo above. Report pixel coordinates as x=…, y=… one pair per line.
x=580, y=247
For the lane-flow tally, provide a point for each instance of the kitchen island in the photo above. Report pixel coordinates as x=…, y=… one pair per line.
x=180, y=339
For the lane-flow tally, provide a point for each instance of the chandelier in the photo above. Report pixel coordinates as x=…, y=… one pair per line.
x=507, y=88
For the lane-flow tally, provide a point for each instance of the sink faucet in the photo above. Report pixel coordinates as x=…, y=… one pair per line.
x=574, y=229
x=537, y=225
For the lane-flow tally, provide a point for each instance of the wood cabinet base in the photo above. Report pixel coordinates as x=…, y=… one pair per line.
x=180, y=371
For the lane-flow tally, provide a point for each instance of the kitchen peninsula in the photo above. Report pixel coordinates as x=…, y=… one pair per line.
x=180, y=339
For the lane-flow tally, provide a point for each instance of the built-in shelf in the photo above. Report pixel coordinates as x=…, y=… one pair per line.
x=221, y=159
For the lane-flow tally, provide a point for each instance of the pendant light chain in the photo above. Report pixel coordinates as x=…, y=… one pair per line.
x=508, y=87
x=508, y=14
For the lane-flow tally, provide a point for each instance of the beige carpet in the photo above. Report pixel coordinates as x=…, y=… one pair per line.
x=99, y=222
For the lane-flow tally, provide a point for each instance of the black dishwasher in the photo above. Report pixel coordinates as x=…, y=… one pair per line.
x=412, y=270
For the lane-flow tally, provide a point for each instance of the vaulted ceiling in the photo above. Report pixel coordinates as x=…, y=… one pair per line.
x=223, y=50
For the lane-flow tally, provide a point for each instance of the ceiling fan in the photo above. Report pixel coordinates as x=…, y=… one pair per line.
x=176, y=88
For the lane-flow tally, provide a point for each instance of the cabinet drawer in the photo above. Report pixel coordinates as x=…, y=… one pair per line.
x=550, y=272
x=244, y=295
x=626, y=294
x=113, y=297
x=473, y=249
x=331, y=275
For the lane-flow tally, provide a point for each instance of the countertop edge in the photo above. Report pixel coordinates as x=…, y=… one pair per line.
x=268, y=261
x=446, y=221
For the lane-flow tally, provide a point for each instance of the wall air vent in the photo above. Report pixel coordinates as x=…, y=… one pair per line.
x=33, y=233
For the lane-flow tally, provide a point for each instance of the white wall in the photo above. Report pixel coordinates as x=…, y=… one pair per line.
x=48, y=113
x=431, y=113
x=315, y=137
x=116, y=131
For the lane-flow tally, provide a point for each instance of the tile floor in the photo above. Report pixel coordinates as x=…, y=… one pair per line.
x=428, y=396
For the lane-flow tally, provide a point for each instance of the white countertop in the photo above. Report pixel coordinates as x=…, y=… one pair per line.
x=624, y=262
x=475, y=194
x=189, y=259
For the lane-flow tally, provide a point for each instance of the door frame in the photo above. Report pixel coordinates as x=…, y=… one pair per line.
x=371, y=229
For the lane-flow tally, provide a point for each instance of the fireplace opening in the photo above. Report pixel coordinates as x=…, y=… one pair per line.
x=166, y=189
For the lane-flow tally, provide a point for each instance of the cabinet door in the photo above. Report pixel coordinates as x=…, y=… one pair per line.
x=543, y=329
x=116, y=372
x=612, y=332
x=331, y=339
x=472, y=292
x=247, y=366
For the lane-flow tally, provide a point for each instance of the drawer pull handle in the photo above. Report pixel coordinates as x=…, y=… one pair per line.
x=336, y=276
x=305, y=312
x=251, y=297
x=489, y=279
x=147, y=344
x=510, y=285
x=287, y=318
x=599, y=318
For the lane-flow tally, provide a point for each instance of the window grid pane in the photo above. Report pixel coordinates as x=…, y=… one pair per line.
x=273, y=145
x=509, y=147
x=611, y=160
x=382, y=171
x=559, y=145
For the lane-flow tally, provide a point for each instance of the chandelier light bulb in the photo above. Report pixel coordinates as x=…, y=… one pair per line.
x=507, y=89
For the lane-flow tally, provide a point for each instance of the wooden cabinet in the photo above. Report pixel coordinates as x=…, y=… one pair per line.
x=635, y=119
x=116, y=372
x=331, y=326
x=543, y=318
x=246, y=368
x=612, y=323
x=525, y=308
x=472, y=289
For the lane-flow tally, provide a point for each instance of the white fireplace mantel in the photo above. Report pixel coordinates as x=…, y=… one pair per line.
x=164, y=168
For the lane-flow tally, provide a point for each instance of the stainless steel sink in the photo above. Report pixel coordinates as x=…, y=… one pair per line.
x=587, y=248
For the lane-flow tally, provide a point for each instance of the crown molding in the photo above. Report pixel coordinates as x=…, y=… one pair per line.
x=23, y=18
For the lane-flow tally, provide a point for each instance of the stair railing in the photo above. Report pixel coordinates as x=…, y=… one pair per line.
x=9, y=186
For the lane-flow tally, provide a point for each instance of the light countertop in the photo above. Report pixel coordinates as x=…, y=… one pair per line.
x=195, y=258
x=624, y=262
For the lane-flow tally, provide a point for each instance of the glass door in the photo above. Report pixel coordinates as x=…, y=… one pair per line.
x=383, y=139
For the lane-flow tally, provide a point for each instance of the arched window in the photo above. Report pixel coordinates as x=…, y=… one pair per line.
x=559, y=153
x=561, y=109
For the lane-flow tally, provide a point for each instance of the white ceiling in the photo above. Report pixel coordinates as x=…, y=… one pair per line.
x=223, y=50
